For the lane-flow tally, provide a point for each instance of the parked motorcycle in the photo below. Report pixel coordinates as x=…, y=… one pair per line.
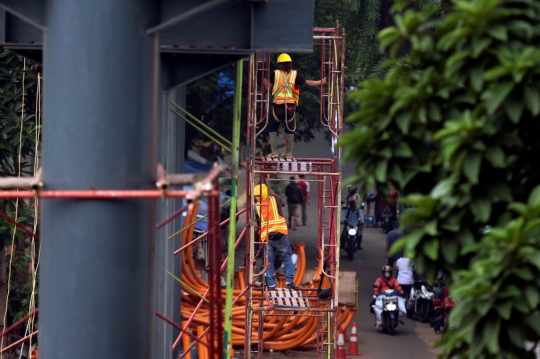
x=420, y=301
x=442, y=308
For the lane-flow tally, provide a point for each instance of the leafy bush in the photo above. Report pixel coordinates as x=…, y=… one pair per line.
x=455, y=126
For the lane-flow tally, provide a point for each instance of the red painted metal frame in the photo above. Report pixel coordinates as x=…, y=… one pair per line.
x=205, y=234
x=214, y=275
x=18, y=225
x=327, y=171
x=101, y=194
x=209, y=188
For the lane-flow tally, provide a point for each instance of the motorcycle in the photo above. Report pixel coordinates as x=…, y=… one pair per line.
x=390, y=313
x=354, y=231
x=442, y=308
x=420, y=301
x=387, y=222
x=351, y=236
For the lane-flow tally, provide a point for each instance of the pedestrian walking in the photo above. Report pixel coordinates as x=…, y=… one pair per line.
x=392, y=237
x=304, y=185
x=405, y=277
x=293, y=192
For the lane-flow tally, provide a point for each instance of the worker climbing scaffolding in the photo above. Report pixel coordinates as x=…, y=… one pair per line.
x=286, y=84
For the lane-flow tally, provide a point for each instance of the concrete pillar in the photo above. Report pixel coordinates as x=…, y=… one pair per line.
x=99, y=106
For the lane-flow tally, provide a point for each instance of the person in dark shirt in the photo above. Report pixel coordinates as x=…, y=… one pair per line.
x=304, y=185
x=286, y=84
x=392, y=237
x=294, y=195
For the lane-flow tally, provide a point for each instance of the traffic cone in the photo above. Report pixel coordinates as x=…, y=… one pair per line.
x=353, y=343
x=340, y=345
x=345, y=334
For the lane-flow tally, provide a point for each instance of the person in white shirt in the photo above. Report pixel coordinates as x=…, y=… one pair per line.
x=405, y=278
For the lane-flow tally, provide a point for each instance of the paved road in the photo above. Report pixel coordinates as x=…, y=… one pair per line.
x=412, y=340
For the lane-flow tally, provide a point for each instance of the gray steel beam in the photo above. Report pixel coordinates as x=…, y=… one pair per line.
x=185, y=16
x=180, y=69
x=167, y=290
x=30, y=11
x=95, y=279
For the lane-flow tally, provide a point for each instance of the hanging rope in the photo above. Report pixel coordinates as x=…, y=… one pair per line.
x=34, y=264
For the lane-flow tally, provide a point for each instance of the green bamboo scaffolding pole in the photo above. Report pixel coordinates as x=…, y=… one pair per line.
x=201, y=130
x=204, y=125
x=232, y=224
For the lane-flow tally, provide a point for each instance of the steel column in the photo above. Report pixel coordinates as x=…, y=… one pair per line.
x=99, y=101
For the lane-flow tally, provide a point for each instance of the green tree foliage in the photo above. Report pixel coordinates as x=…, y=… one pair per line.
x=455, y=126
x=370, y=17
x=18, y=136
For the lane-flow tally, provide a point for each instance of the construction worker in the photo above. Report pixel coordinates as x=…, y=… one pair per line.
x=274, y=229
x=286, y=91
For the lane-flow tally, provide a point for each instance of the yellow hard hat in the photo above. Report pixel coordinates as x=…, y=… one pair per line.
x=260, y=192
x=284, y=58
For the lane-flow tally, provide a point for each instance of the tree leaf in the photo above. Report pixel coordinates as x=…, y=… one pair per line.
x=380, y=172
x=534, y=197
x=491, y=334
x=516, y=335
x=532, y=296
x=504, y=309
x=431, y=249
x=471, y=166
x=402, y=149
x=532, y=99
x=494, y=97
x=499, y=32
x=514, y=108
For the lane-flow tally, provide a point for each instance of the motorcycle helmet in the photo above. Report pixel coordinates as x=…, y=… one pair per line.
x=387, y=271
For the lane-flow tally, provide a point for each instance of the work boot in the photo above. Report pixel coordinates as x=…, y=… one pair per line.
x=289, y=147
x=293, y=286
x=273, y=143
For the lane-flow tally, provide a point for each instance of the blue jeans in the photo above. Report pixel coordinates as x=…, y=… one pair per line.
x=283, y=247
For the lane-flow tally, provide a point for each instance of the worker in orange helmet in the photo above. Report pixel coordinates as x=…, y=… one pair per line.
x=286, y=84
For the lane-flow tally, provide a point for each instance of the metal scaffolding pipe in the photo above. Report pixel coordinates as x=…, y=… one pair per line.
x=20, y=226
x=100, y=194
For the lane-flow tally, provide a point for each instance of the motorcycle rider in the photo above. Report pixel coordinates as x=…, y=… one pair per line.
x=354, y=215
x=384, y=282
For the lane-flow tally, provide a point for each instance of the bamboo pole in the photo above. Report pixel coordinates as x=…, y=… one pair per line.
x=204, y=125
x=232, y=224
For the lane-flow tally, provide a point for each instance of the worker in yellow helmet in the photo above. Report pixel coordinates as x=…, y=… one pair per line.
x=286, y=84
x=274, y=229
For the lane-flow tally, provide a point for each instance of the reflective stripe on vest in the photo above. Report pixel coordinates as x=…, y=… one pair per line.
x=271, y=220
x=285, y=90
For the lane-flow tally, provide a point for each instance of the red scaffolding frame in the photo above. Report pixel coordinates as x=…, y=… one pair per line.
x=207, y=186
x=325, y=171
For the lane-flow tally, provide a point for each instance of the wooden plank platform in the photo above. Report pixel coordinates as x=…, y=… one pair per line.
x=288, y=298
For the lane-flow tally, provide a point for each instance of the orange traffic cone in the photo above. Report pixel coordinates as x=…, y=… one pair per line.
x=353, y=343
x=340, y=345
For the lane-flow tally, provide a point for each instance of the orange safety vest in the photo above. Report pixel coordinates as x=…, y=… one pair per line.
x=271, y=220
x=285, y=90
